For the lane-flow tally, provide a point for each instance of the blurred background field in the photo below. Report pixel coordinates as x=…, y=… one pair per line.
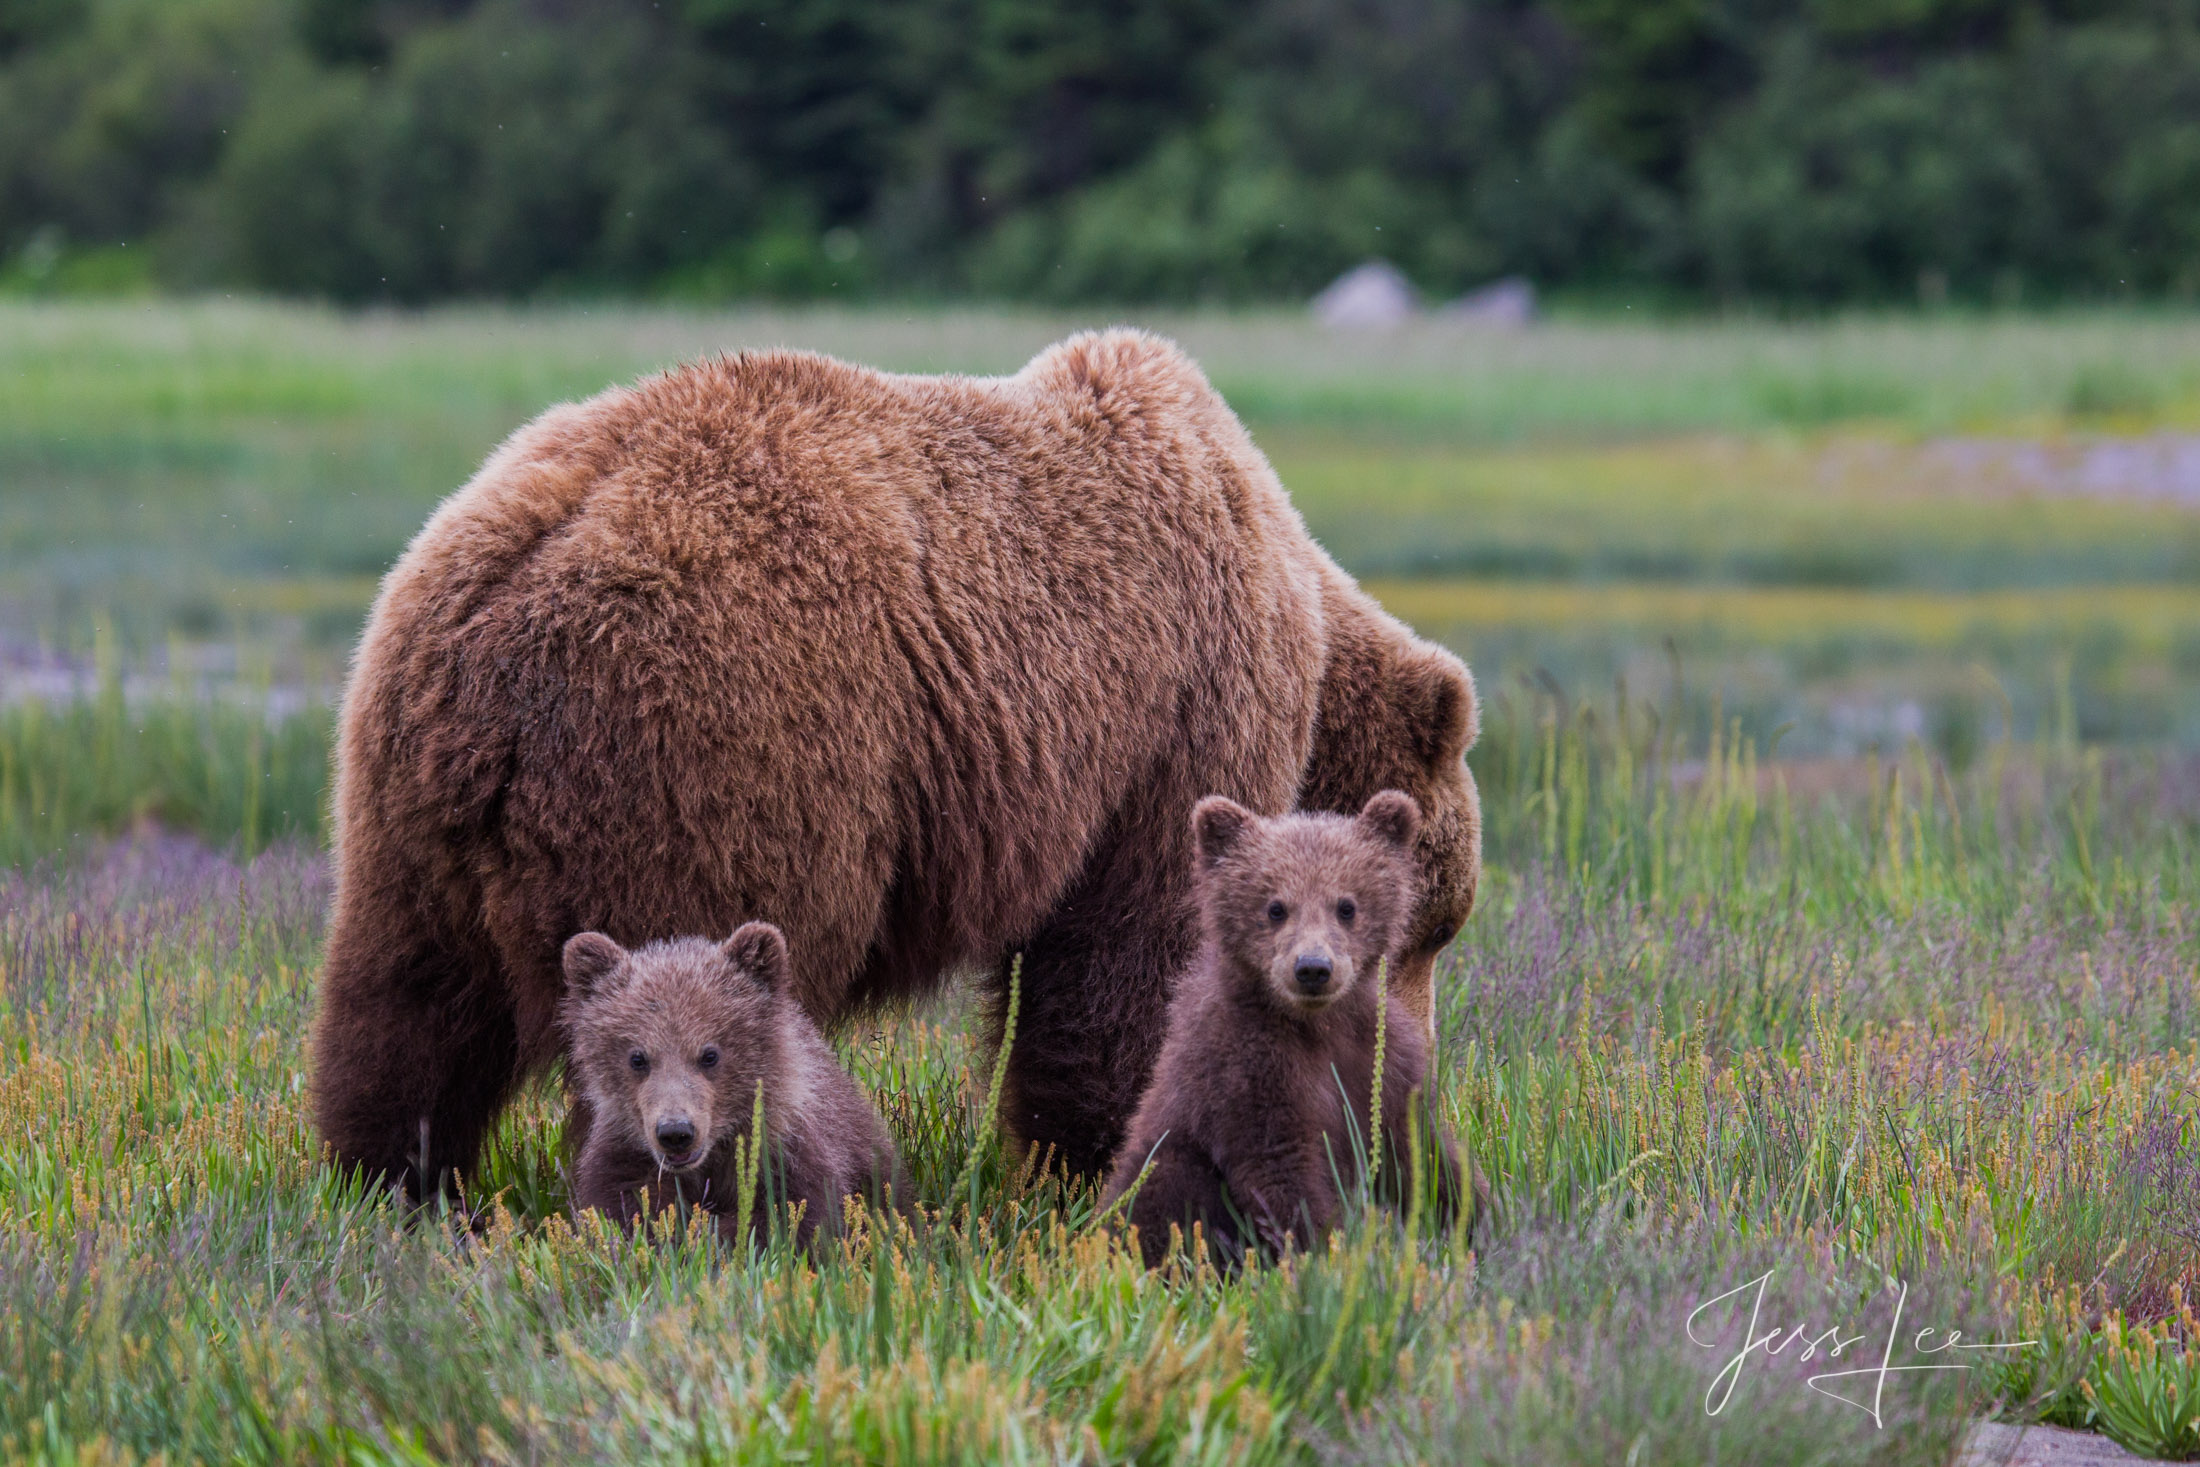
x=1852, y=533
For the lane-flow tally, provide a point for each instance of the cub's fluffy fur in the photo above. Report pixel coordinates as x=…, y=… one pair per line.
x=670, y=1043
x=1271, y=1042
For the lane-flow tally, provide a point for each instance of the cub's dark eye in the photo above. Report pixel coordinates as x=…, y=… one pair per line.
x=638, y=1062
x=1277, y=911
x=708, y=1059
x=1442, y=936
x=1347, y=910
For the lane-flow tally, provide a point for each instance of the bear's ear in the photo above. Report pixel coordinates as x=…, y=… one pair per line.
x=1218, y=824
x=589, y=959
x=759, y=950
x=1436, y=696
x=1392, y=816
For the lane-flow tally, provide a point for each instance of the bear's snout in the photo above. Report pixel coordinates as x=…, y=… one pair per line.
x=1309, y=976
x=676, y=1140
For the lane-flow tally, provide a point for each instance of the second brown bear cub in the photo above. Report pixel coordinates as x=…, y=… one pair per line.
x=669, y=1044
x=1265, y=1078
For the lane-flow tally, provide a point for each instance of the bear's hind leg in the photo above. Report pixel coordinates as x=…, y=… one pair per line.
x=415, y=1050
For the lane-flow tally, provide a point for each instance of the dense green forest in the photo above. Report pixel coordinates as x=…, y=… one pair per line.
x=1715, y=151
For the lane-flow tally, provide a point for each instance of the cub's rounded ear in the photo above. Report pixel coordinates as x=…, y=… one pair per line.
x=759, y=950
x=1392, y=816
x=1436, y=698
x=590, y=958
x=1218, y=824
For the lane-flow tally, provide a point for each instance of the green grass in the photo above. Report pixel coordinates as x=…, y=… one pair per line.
x=1943, y=1031
x=229, y=771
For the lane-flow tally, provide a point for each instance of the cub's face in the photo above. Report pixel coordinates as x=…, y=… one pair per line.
x=1305, y=905
x=669, y=1041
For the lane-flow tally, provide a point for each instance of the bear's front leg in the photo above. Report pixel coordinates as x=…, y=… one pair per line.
x=1081, y=1058
x=614, y=1180
x=1093, y=1010
x=1182, y=1186
x=1289, y=1195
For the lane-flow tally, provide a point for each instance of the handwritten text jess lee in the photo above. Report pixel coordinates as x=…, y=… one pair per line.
x=1831, y=1343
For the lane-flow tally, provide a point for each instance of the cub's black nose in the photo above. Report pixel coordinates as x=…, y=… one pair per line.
x=1314, y=973
x=675, y=1136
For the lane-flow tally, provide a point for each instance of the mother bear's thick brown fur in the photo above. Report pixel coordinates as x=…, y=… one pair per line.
x=926, y=670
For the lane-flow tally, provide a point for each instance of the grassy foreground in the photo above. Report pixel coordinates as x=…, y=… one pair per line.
x=1921, y=1054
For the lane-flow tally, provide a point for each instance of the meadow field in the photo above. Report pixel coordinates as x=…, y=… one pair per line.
x=1836, y=970
x=204, y=478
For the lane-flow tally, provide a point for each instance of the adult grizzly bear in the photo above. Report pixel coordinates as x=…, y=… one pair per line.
x=928, y=671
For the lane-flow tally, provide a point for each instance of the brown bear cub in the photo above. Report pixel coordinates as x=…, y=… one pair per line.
x=668, y=1046
x=1271, y=1038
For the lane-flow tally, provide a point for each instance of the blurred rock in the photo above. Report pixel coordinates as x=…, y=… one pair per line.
x=1508, y=303
x=1995, y=1445
x=1369, y=296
